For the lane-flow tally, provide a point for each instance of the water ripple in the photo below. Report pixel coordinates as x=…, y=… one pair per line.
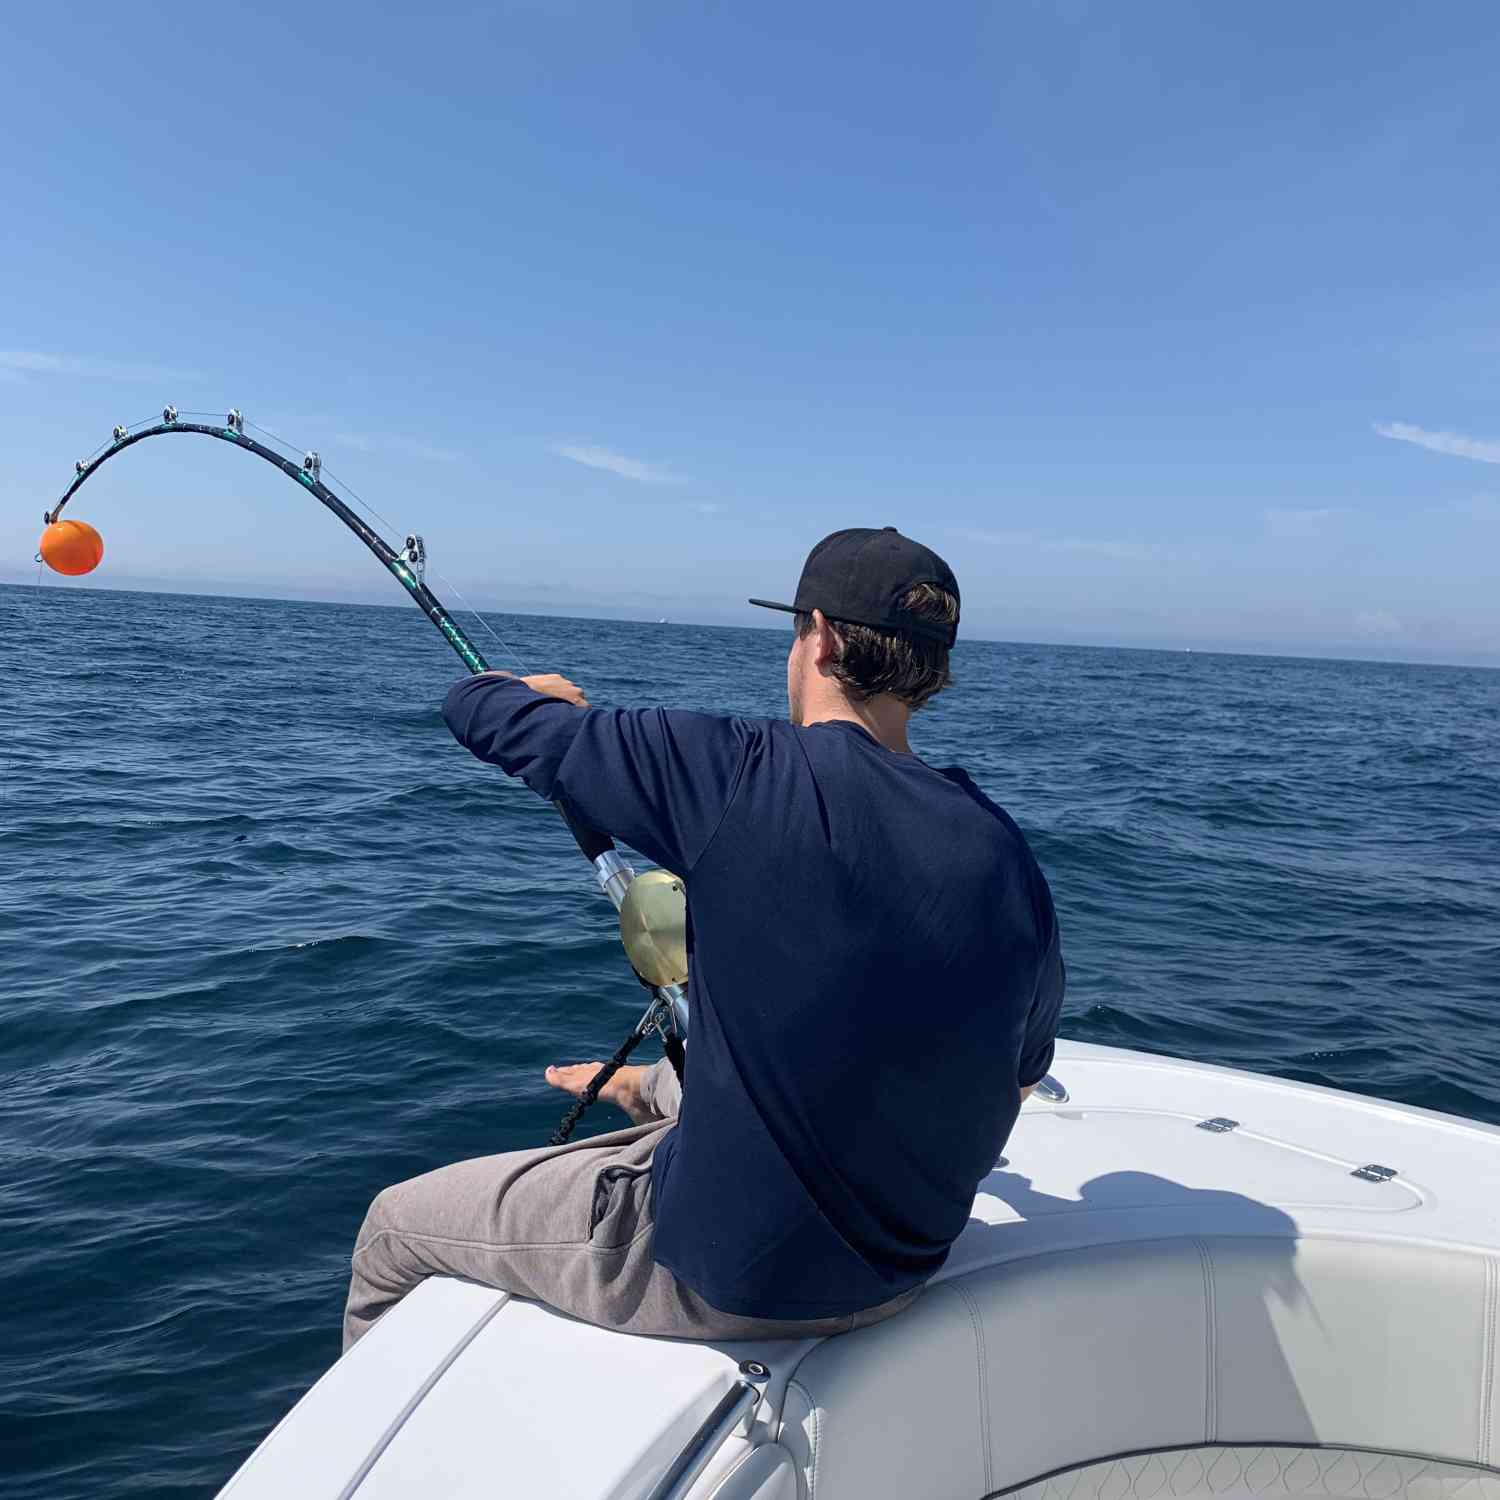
x=269, y=940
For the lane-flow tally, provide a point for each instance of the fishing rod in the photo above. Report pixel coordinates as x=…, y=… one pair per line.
x=651, y=906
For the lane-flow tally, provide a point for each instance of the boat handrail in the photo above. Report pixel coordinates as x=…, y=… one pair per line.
x=733, y=1408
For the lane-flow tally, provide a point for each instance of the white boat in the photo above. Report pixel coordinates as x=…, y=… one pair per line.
x=1181, y=1281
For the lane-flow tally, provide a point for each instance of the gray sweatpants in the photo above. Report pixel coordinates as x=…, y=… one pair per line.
x=569, y=1225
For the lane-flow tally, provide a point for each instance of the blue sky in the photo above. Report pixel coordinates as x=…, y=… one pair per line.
x=1168, y=324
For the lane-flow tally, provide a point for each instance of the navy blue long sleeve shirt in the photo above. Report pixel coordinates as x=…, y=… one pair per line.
x=876, y=973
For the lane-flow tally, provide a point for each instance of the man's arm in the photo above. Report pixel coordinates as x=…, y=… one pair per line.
x=1040, y=1040
x=660, y=780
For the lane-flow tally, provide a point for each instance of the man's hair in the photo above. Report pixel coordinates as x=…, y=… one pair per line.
x=909, y=667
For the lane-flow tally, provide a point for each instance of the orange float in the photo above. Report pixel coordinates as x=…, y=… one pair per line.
x=71, y=547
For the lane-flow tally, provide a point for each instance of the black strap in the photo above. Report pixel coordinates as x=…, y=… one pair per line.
x=591, y=1092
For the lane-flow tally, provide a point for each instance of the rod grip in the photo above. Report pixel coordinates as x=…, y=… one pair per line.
x=590, y=840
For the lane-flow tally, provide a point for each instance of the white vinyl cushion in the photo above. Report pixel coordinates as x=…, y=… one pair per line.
x=1057, y=1362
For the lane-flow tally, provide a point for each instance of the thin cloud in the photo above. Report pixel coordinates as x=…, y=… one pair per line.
x=382, y=442
x=1117, y=550
x=593, y=457
x=1313, y=521
x=1378, y=624
x=19, y=363
x=997, y=538
x=1455, y=444
x=1120, y=551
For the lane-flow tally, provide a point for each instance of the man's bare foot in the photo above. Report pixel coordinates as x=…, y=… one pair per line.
x=624, y=1089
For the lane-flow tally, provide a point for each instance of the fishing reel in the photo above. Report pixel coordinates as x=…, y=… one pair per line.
x=653, y=928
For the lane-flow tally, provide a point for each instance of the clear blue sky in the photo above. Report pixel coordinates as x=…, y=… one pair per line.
x=1166, y=323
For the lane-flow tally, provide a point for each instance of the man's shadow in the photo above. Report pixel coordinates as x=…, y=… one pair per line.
x=1114, y=1192
x=1253, y=1239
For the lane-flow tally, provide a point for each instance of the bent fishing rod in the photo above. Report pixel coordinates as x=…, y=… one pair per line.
x=649, y=905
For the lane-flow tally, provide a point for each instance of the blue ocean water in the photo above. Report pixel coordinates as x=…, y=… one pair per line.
x=269, y=940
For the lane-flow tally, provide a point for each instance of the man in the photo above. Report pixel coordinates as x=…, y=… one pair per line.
x=876, y=978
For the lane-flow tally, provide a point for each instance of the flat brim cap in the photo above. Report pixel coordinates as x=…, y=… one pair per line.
x=859, y=576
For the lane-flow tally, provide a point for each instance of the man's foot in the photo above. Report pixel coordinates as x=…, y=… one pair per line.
x=624, y=1089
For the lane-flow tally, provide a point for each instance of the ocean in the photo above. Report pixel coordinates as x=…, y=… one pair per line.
x=269, y=940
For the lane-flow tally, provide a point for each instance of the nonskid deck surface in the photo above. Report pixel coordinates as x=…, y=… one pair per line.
x=1253, y=1473
x=460, y=1389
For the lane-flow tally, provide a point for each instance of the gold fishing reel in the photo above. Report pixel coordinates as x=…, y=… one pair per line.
x=653, y=927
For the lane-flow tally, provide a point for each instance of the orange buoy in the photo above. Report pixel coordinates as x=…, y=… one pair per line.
x=71, y=547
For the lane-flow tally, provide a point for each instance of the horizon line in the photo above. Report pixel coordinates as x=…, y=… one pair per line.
x=1217, y=648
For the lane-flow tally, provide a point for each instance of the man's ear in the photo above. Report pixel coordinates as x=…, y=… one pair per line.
x=826, y=646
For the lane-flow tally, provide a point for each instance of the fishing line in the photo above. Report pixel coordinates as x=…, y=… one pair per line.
x=364, y=505
x=345, y=488
x=452, y=588
x=494, y=635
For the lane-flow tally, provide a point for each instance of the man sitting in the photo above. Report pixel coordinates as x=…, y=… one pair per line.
x=876, y=980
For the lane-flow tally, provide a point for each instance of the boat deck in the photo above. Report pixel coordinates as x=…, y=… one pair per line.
x=464, y=1391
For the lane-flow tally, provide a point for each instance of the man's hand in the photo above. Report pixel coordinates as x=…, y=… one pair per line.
x=555, y=686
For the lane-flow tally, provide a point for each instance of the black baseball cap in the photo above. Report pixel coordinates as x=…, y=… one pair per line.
x=860, y=576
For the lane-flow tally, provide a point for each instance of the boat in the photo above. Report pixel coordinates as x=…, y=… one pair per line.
x=1180, y=1281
